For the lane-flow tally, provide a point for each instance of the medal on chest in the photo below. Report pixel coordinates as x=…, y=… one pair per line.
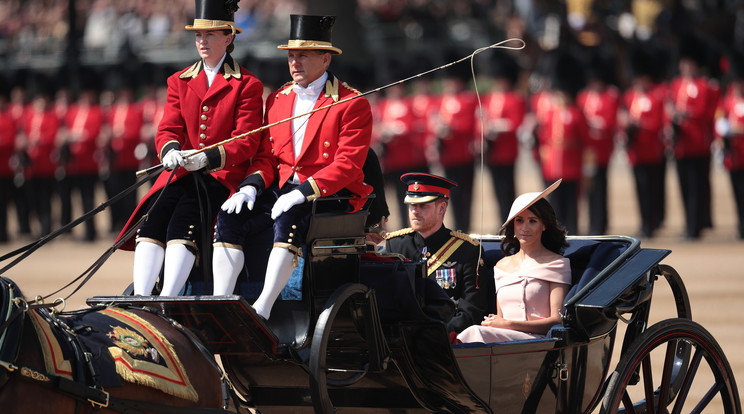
x=446, y=277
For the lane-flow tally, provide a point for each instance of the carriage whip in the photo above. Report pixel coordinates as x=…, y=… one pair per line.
x=499, y=45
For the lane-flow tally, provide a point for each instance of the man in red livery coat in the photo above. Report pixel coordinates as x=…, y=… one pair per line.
x=599, y=102
x=730, y=129
x=208, y=102
x=693, y=100
x=505, y=110
x=125, y=122
x=455, y=121
x=318, y=155
x=79, y=154
x=643, y=121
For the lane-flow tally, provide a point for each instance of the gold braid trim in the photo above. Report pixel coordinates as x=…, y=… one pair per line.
x=466, y=237
x=400, y=232
x=286, y=88
x=192, y=72
x=346, y=85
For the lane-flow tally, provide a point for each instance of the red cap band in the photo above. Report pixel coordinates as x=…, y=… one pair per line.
x=423, y=188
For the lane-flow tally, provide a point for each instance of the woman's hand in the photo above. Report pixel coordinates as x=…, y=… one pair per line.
x=495, y=321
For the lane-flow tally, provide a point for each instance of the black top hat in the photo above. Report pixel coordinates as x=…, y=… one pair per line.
x=215, y=15
x=425, y=188
x=311, y=32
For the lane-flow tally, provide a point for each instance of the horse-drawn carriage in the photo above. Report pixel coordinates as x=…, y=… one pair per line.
x=355, y=335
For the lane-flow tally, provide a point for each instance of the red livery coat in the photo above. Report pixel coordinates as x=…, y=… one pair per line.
x=197, y=115
x=646, y=110
x=335, y=144
x=697, y=99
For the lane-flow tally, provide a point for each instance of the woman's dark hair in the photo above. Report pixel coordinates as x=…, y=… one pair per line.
x=231, y=46
x=553, y=238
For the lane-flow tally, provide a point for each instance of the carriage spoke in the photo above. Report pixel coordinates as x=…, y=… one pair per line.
x=687, y=383
x=648, y=383
x=666, y=374
x=715, y=389
x=628, y=403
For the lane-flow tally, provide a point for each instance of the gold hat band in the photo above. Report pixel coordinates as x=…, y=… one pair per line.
x=309, y=44
x=206, y=24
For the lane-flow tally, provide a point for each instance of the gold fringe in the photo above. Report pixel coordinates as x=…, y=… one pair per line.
x=400, y=232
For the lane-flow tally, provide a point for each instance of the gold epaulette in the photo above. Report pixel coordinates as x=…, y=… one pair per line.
x=286, y=88
x=400, y=232
x=467, y=238
x=346, y=85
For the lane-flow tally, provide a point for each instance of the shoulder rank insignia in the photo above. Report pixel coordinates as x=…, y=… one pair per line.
x=463, y=236
x=400, y=232
x=346, y=85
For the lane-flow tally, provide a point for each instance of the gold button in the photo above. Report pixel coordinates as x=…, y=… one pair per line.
x=201, y=145
x=291, y=234
x=289, y=240
x=190, y=232
x=205, y=108
x=191, y=226
x=325, y=155
x=271, y=139
x=203, y=136
x=324, y=191
x=203, y=127
x=326, y=144
x=203, y=117
x=294, y=227
x=272, y=150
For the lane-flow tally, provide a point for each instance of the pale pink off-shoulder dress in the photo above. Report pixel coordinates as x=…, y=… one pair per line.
x=523, y=295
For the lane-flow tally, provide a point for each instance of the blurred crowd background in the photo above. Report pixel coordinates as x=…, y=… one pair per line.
x=83, y=88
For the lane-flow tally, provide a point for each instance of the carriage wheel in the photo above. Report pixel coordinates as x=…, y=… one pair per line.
x=335, y=324
x=667, y=373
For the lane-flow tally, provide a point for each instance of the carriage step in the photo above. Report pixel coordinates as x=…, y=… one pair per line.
x=226, y=324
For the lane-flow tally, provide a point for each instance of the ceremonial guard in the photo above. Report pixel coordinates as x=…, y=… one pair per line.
x=208, y=102
x=7, y=148
x=125, y=121
x=79, y=153
x=455, y=122
x=396, y=140
x=316, y=155
x=643, y=121
x=505, y=111
x=451, y=256
x=562, y=140
x=693, y=100
x=599, y=102
x=730, y=129
x=40, y=127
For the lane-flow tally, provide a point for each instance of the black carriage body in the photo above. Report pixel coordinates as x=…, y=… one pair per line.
x=358, y=337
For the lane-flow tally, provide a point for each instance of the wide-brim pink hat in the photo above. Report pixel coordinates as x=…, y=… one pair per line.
x=524, y=201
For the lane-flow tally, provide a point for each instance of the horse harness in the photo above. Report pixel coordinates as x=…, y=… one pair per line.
x=84, y=389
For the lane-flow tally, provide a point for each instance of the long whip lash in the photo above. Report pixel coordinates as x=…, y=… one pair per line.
x=500, y=45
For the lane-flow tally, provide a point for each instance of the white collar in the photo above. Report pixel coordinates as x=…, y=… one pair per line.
x=314, y=88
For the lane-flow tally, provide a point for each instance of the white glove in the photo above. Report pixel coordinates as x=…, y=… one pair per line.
x=245, y=195
x=172, y=159
x=285, y=202
x=194, y=162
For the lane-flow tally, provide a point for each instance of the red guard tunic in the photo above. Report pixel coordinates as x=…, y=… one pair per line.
x=732, y=107
x=41, y=128
x=646, y=110
x=7, y=144
x=600, y=110
x=125, y=120
x=335, y=144
x=506, y=111
x=457, y=119
x=694, y=98
x=197, y=115
x=402, y=148
x=562, y=142
x=84, y=123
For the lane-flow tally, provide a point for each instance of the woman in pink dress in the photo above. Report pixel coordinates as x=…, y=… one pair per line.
x=532, y=279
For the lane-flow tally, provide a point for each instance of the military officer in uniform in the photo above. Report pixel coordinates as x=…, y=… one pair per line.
x=315, y=155
x=452, y=257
